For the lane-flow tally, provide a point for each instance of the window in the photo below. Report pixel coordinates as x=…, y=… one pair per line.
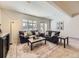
x=33, y=25
x=29, y=25
x=43, y=27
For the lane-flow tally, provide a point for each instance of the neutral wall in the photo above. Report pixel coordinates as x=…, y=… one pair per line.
x=71, y=24
x=73, y=27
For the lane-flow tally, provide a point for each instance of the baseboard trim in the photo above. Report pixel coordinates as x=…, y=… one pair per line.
x=74, y=38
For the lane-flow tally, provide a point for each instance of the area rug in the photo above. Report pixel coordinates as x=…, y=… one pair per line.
x=39, y=50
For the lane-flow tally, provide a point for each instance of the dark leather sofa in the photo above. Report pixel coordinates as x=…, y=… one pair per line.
x=53, y=39
x=24, y=39
x=39, y=34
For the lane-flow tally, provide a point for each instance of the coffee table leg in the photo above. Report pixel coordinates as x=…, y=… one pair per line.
x=45, y=41
x=67, y=41
x=31, y=47
x=58, y=41
x=28, y=43
x=64, y=43
x=61, y=41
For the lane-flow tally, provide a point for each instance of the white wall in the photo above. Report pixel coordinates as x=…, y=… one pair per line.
x=71, y=24
x=73, y=27
x=60, y=16
x=5, y=23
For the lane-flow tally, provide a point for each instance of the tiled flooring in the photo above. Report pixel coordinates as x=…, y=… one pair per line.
x=41, y=50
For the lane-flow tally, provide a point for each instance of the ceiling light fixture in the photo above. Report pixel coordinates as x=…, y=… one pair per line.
x=28, y=1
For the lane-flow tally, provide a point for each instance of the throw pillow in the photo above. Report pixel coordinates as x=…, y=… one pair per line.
x=46, y=33
x=25, y=33
x=29, y=33
x=36, y=33
x=52, y=34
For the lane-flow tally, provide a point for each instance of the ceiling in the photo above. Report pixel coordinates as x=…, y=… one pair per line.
x=71, y=7
x=42, y=8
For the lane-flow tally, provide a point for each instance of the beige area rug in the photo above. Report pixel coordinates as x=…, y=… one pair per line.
x=41, y=50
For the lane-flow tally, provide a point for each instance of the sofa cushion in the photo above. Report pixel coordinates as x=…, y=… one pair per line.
x=57, y=33
x=49, y=33
x=53, y=33
x=42, y=34
x=25, y=33
x=36, y=33
x=46, y=34
x=33, y=32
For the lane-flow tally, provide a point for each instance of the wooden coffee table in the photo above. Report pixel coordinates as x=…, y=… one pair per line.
x=32, y=41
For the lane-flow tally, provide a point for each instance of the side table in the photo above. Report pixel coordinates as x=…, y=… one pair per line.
x=66, y=39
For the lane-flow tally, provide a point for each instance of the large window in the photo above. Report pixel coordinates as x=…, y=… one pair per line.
x=29, y=25
x=32, y=25
x=43, y=27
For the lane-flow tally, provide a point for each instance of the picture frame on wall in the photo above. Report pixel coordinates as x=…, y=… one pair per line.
x=60, y=25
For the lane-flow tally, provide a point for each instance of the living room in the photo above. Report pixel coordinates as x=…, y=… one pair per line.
x=18, y=18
